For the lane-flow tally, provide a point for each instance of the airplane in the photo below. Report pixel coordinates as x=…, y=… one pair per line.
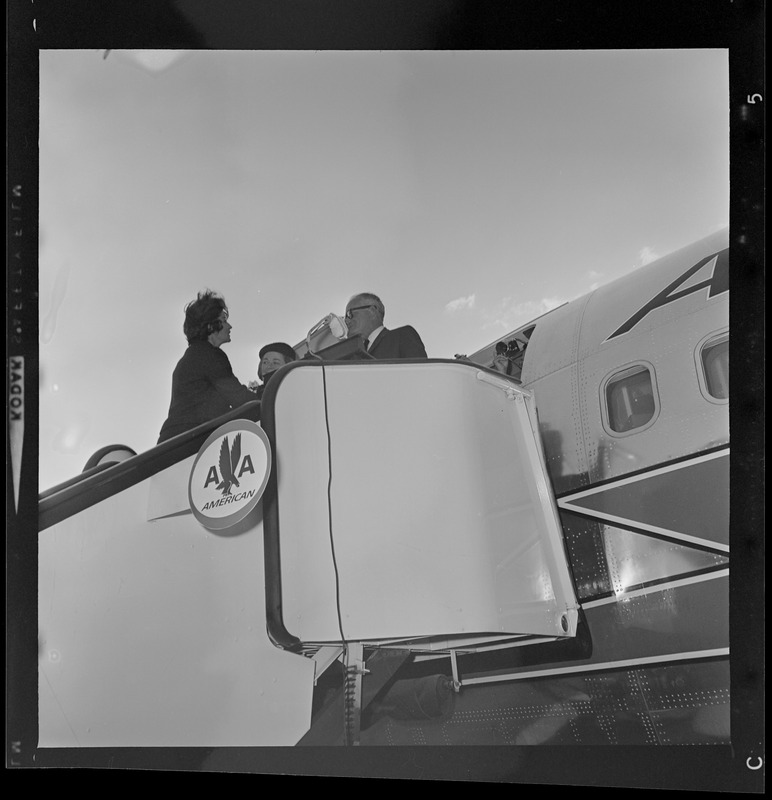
x=538, y=556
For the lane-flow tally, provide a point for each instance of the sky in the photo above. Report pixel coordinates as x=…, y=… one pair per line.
x=471, y=190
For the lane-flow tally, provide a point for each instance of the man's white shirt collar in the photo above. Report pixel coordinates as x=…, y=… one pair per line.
x=374, y=335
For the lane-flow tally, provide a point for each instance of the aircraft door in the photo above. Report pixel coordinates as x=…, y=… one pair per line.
x=412, y=501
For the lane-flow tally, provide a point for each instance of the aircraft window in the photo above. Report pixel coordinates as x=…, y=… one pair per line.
x=715, y=364
x=630, y=399
x=514, y=351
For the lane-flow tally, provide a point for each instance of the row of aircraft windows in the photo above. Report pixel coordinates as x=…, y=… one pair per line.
x=630, y=395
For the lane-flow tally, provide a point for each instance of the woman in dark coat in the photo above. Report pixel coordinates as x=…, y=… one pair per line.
x=203, y=383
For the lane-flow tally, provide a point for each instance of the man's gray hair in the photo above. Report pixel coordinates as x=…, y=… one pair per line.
x=369, y=297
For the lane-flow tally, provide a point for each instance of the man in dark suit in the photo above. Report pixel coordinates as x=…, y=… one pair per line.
x=364, y=317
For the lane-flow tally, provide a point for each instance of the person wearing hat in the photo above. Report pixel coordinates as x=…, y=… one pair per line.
x=272, y=357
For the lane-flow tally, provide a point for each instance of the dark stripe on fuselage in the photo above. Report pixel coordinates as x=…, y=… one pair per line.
x=666, y=624
x=685, y=501
x=674, y=538
x=643, y=471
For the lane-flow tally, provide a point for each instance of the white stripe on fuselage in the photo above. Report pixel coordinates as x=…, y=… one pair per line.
x=658, y=587
x=631, y=663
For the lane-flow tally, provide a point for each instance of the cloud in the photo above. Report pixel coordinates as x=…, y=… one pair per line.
x=511, y=315
x=595, y=279
x=460, y=303
x=647, y=255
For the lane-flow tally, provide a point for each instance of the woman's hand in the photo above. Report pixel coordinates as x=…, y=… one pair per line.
x=501, y=363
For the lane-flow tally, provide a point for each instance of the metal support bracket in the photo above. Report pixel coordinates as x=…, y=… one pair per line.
x=454, y=668
x=352, y=697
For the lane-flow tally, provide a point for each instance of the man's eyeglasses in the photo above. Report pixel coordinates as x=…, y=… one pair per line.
x=349, y=311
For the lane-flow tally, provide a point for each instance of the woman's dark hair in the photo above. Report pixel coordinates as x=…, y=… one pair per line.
x=202, y=316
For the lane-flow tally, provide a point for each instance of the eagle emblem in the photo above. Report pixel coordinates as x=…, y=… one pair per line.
x=229, y=460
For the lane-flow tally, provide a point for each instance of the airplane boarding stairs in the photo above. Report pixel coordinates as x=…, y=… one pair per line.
x=394, y=577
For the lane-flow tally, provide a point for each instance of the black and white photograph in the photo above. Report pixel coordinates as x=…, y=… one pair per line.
x=368, y=390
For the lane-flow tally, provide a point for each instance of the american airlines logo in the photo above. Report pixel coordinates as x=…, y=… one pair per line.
x=710, y=273
x=229, y=474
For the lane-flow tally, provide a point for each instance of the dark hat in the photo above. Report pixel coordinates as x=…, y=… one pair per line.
x=280, y=347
